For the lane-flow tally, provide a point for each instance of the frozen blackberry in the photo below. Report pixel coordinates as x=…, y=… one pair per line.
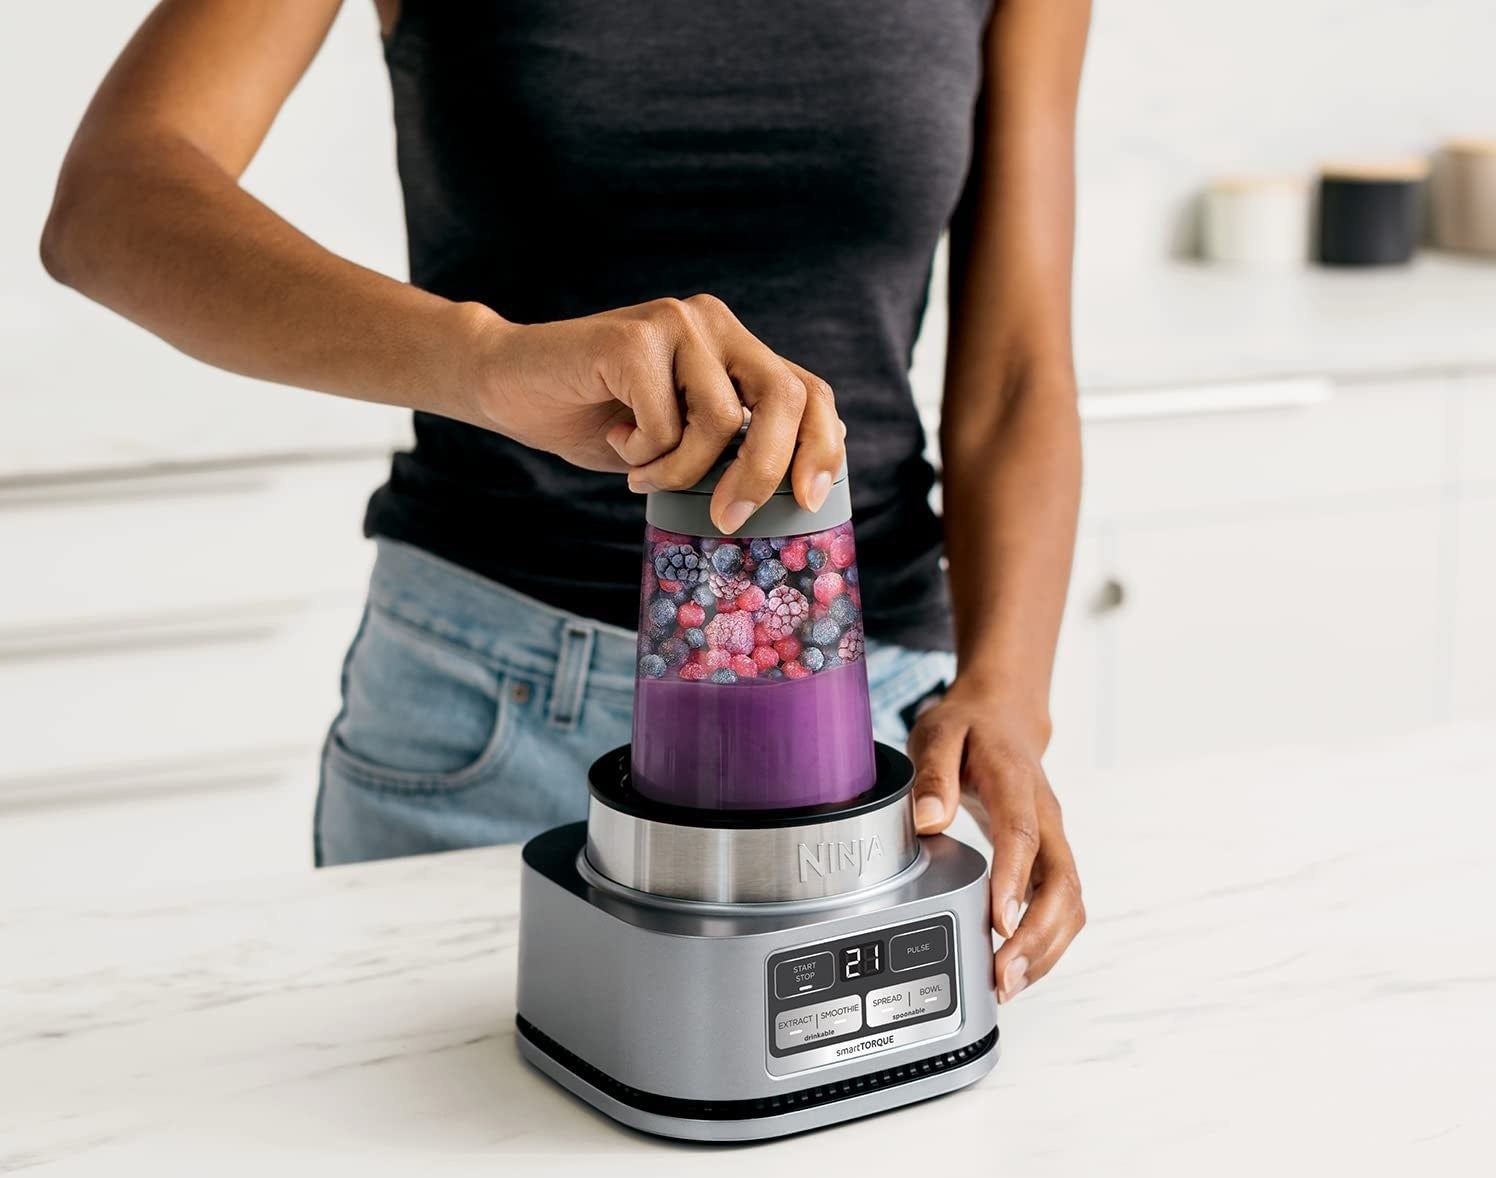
x=662, y=611
x=816, y=559
x=728, y=559
x=723, y=675
x=652, y=666
x=674, y=651
x=760, y=549
x=825, y=632
x=679, y=562
x=768, y=574
x=703, y=595
x=695, y=637
x=812, y=658
x=842, y=611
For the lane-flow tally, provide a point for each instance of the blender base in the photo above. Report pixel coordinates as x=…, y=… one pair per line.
x=739, y=1022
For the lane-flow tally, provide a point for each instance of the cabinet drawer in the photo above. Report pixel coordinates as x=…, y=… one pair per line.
x=262, y=683
x=1366, y=439
x=132, y=549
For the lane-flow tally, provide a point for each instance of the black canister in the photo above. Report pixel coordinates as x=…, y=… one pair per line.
x=1369, y=213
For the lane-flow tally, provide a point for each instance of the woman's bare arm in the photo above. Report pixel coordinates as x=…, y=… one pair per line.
x=149, y=219
x=1010, y=445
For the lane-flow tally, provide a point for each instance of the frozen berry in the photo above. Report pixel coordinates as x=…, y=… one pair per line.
x=788, y=648
x=731, y=632
x=726, y=585
x=703, y=595
x=823, y=633
x=690, y=615
x=778, y=542
x=693, y=672
x=771, y=673
x=715, y=660
x=816, y=559
x=695, y=637
x=833, y=659
x=743, y=666
x=842, y=611
x=822, y=540
x=674, y=651
x=784, y=610
x=852, y=645
x=765, y=656
x=768, y=574
x=792, y=555
x=679, y=562
x=662, y=611
x=760, y=549
x=761, y=635
x=751, y=599
x=723, y=675
x=841, y=552
x=849, y=575
x=829, y=586
x=670, y=586
x=652, y=666
x=812, y=658
x=854, y=595
x=795, y=670
x=727, y=559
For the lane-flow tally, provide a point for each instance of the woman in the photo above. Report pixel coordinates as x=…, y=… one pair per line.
x=627, y=223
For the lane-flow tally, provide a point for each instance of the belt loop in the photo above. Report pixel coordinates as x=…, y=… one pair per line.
x=570, y=687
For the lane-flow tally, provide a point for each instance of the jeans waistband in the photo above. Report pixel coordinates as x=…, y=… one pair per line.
x=523, y=635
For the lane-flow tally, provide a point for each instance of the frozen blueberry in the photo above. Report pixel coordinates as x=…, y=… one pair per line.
x=816, y=559
x=771, y=673
x=702, y=595
x=843, y=611
x=778, y=542
x=849, y=574
x=679, y=562
x=662, y=610
x=825, y=632
x=727, y=559
x=674, y=651
x=806, y=583
x=812, y=659
x=695, y=637
x=681, y=596
x=760, y=549
x=722, y=675
x=768, y=574
x=652, y=666
x=833, y=659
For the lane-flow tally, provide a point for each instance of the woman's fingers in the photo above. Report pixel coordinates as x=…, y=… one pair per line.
x=776, y=395
x=713, y=416
x=821, y=450
x=1010, y=786
x=936, y=746
x=1055, y=914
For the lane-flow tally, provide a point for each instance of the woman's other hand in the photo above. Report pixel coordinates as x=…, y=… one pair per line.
x=659, y=390
x=966, y=749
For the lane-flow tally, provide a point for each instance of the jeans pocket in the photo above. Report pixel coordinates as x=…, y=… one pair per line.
x=420, y=714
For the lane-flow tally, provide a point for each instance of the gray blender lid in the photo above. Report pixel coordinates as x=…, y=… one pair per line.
x=689, y=511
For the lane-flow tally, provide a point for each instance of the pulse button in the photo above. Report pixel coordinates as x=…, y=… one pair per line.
x=925, y=946
x=804, y=975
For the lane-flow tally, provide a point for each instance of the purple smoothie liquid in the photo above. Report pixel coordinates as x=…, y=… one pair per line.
x=754, y=745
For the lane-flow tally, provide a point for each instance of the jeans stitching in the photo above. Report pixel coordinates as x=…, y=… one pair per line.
x=570, y=687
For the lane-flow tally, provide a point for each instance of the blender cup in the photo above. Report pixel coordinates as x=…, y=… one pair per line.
x=751, y=689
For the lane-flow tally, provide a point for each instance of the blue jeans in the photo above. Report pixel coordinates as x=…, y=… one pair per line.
x=471, y=713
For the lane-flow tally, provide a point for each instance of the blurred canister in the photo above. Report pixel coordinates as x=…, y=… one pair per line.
x=1369, y=212
x=1463, y=196
x=1258, y=222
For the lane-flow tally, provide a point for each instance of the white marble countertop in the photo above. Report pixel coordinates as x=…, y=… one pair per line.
x=1289, y=969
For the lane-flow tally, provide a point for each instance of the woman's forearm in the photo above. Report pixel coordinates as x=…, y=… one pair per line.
x=154, y=229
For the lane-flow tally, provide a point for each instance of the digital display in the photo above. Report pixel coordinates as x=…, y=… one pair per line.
x=862, y=961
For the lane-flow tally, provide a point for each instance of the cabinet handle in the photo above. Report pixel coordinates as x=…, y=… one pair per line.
x=1110, y=597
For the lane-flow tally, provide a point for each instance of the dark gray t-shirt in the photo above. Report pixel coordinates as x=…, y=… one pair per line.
x=798, y=160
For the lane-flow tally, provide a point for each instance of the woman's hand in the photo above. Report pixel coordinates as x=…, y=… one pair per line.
x=966, y=749
x=659, y=390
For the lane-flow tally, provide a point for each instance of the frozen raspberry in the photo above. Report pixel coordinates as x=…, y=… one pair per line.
x=662, y=611
x=743, y=666
x=824, y=633
x=670, y=587
x=726, y=586
x=761, y=635
x=727, y=559
x=829, y=586
x=723, y=675
x=813, y=658
x=693, y=672
x=695, y=637
x=690, y=615
x=822, y=540
x=792, y=555
x=852, y=645
x=751, y=599
x=765, y=656
x=788, y=648
x=652, y=666
x=841, y=552
x=731, y=632
x=816, y=559
x=727, y=605
x=842, y=611
x=783, y=611
x=715, y=660
x=795, y=670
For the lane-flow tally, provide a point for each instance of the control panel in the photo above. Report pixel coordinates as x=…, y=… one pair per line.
x=862, y=994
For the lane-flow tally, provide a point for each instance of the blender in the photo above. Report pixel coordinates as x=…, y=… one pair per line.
x=746, y=938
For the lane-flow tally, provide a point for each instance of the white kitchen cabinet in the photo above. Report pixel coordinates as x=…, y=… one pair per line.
x=1075, y=695
x=1473, y=651
x=1312, y=627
